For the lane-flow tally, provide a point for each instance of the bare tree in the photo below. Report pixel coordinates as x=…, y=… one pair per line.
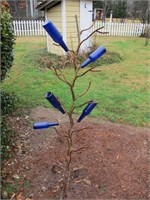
x=147, y=35
x=140, y=9
x=69, y=134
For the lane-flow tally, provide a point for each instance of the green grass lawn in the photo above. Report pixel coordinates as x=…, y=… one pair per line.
x=121, y=89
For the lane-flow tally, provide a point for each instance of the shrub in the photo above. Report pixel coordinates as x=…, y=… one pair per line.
x=7, y=137
x=8, y=101
x=7, y=40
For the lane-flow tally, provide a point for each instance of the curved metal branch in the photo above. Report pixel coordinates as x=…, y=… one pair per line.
x=82, y=129
x=79, y=149
x=86, y=72
x=102, y=32
x=78, y=31
x=59, y=76
x=97, y=70
x=84, y=91
x=82, y=104
x=87, y=38
x=88, y=28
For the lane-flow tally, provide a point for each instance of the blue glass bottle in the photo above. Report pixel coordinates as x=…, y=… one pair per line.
x=94, y=56
x=54, y=101
x=55, y=34
x=87, y=110
x=43, y=125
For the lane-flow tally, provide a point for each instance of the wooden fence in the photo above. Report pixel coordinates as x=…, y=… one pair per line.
x=34, y=28
x=122, y=29
x=28, y=28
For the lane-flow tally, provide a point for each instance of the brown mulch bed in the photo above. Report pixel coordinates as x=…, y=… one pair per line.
x=113, y=165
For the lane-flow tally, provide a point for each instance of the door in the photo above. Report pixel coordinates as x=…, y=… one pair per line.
x=86, y=8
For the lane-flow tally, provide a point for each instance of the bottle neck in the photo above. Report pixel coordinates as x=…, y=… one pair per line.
x=86, y=62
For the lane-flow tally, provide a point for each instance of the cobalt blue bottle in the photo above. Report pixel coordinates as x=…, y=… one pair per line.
x=42, y=125
x=54, y=101
x=94, y=56
x=87, y=110
x=55, y=34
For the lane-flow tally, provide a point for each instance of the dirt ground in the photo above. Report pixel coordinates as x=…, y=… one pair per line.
x=113, y=165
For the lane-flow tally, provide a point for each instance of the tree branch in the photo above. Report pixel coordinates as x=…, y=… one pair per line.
x=59, y=76
x=87, y=38
x=88, y=28
x=78, y=130
x=77, y=26
x=81, y=148
x=97, y=70
x=86, y=72
x=102, y=32
x=82, y=104
x=84, y=91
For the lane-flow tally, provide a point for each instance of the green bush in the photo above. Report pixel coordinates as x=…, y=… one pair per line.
x=8, y=105
x=7, y=42
x=7, y=139
x=8, y=102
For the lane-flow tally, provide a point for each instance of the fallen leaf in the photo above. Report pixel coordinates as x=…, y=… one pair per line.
x=88, y=182
x=16, y=176
x=19, y=196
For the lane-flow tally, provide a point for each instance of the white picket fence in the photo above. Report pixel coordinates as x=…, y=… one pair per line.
x=34, y=28
x=121, y=29
x=28, y=28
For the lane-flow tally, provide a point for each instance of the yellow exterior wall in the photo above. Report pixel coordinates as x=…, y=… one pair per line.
x=72, y=9
x=55, y=15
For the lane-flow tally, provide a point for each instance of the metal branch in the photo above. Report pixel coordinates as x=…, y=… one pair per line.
x=78, y=31
x=97, y=70
x=86, y=72
x=56, y=131
x=79, y=130
x=72, y=59
x=80, y=138
x=81, y=148
x=102, y=32
x=88, y=28
x=82, y=104
x=84, y=91
x=59, y=76
x=87, y=38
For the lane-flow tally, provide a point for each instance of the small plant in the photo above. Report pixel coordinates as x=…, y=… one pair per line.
x=73, y=61
x=10, y=189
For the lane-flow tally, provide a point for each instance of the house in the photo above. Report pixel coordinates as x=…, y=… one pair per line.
x=70, y=17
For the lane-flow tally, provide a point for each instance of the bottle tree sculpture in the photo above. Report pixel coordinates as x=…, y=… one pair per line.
x=89, y=106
